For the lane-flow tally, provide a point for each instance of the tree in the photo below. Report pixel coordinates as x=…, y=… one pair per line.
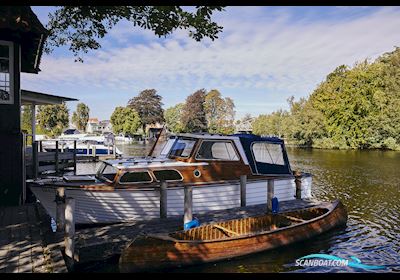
x=26, y=119
x=148, y=105
x=194, y=116
x=173, y=117
x=80, y=26
x=81, y=116
x=53, y=119
x=125, y=120
x=220, y=113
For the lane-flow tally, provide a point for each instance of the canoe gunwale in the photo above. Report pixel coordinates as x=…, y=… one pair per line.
x=331, y=206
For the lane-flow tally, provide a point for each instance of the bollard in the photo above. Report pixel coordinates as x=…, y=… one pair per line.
x=163, y=200
x=270, y=194
x=60, y=209
x=69, y=239
x=297, y=181
x=243, y=181
x=188, y=205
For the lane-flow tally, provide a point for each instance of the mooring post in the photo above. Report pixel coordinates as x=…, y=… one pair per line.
x=108, y=149
x=243, y=181
x=88, y=149
x=163, y=199
x=94, y=152
x=297, y=181
x=188, y=205
x=35, y=159
x=115, y=151
x=56, y=156
x=74, y=157
x=69, y=239
x=41, y=146
x=270, y=194
x=60, y=209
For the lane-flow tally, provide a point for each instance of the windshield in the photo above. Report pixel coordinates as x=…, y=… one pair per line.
x=106, y=172
x=182, y=147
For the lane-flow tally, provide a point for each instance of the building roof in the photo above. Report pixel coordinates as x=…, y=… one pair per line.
x=39, y=98
x=20, y=24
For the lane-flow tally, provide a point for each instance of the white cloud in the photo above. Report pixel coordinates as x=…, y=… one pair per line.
x=257, y=51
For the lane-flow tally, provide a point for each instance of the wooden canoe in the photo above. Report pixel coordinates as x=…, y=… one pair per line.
x=228, y=239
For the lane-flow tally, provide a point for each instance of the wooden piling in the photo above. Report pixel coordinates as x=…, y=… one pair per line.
x=163, y=199
x=108, y=149
x=60, y=209
x=88, y=149
x=74, y=157
x=56, y=157
x=188, y=205
x=69, y=239
x=270, y=194
x=115, y=151
x=243, y=181
x=297, y=180
x=35, y=159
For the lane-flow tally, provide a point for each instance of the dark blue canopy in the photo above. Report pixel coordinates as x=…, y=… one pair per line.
x=262, y=167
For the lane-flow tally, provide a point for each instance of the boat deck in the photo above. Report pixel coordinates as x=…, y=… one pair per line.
x=99, y=243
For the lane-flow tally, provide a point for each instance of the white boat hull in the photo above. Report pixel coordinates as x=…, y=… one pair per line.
x=141, y=204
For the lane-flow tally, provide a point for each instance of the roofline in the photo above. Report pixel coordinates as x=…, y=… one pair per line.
x=32, y=96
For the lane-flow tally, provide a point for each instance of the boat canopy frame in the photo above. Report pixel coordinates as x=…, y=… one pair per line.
x=263, y=168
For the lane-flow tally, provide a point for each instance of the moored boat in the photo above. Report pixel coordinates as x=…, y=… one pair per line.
x=128, y=189
x=229, y=239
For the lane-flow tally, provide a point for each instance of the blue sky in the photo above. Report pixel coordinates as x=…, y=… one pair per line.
x=263, y=56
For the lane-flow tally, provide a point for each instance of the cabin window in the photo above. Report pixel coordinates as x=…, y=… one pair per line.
x=107, y=172
x=168, y=175
x=182, y=147
x=135, y=177
x=167, y=147
x=217, y=150
x=268, y=153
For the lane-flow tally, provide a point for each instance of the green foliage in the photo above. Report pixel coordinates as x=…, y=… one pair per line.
x=125, y=120
x=53, y=119
x=81, y=116
x=194, y=116
x=81, y=26
x=220, y=113
x=26, y=119
x=173, y=118
x=273, y=124
x=354, y=108
x=149, y=106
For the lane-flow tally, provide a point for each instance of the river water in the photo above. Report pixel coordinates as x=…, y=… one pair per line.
x=368, y=184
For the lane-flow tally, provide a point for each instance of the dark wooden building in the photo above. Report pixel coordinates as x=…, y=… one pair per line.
x=21, y=44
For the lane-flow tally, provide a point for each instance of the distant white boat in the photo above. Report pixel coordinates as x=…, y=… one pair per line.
x=87, y=145
x=123, y=139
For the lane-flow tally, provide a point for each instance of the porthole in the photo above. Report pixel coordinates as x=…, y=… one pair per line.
x=197, y=173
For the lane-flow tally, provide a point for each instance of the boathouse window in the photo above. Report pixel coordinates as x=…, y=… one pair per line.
x=268, y=153
x=135, y=177
x=168, y=175
x=6, y=92
x=217, y=150
x=182, y=147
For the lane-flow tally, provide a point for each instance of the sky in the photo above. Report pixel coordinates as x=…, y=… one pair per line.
x=263, y=56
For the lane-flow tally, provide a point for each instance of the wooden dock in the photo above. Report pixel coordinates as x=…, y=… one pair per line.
x=27, y=243
x=99, y=243
x=24, y=246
